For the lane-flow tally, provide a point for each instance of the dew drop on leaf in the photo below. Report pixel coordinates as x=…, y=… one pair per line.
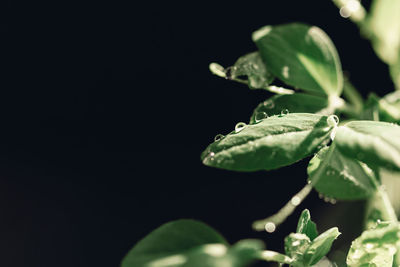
x=285, y=72
x=260, y=116
x=369, y=245
x=332, y=120
x=270, y=227
x=218, y=137
x=284, y=112
x=296, y=243
x=295, y=201
x=269, y=104
x=332, y=201
x=240, y=126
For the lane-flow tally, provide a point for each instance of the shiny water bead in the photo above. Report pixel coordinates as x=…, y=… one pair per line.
x=240, y=126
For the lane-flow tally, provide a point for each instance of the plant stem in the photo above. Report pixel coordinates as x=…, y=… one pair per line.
x=284, y=212
x=351, y=9
x=352, y=95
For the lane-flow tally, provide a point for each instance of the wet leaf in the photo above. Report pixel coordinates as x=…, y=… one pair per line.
x=372, y=142
x=375, y=247
x=337, y=176
x=269, y=144
x=302, y=56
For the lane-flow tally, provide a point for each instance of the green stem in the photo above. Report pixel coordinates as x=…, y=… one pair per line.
x=356, y=12
x=269, y=224
x=353, y=96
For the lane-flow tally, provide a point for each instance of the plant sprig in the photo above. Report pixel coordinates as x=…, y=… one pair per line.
x=348, y=157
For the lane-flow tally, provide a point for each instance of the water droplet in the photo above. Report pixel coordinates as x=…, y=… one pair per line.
x=218, y=137
x=295, y=201
x=260, y=116
x=308, y=181
x=369, y=245
x=211, y=155
x=240, y=126
x=344, y=12
x=321, y=196
x=378, y=221
x=285, y=72
x=230, y=72
x=330, y=172
x=332, y=201
x=327, y=199
x=296, y=243
x=332, y=120
x=269, y=104
x=349, y=8
x=270, y=227
x=284, y=112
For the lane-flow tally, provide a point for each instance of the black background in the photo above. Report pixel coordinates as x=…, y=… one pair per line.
x=106, y=107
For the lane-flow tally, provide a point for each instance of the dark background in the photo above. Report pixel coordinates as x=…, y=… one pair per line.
x=106, y=107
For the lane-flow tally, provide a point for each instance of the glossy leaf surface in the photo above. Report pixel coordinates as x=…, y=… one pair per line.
x=302, y=56
x=375, y=247
x=306, y=225
x=337, y=176
x=375, y=143
x=269, y=144
x=296, y=103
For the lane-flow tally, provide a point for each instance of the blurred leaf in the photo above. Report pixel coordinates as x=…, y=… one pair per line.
x=269, y=144
x=169, y=241
x=389, y=107
x=375, y=247
x=337, y=176
x=384, y=25
x=372, y=142
x=302, y=56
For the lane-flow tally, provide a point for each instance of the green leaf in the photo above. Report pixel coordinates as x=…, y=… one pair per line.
x=170, y=241
x=320, y=246
x=251, y=70
x=371, y=108
x=395, y=73
x=384, y=25
x=296, y=103
x=269, y=144
x=389, y=107
x=296, y=245
x=372, y=142
x=306, y=225
x=337, y=176
x=302, y=56
x=239, y=255
x=305, y=252
x=375, y=247
x=252, y=66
